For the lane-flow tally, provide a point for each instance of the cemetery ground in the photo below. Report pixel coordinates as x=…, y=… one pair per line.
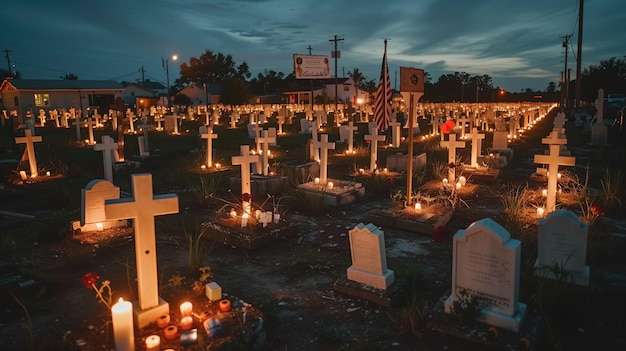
x=290, y=280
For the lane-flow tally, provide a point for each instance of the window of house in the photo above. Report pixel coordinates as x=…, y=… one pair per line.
x=42, y=100
x=346, y=87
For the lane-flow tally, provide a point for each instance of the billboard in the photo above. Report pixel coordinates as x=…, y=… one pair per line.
x=411, y=80
x=311, y=66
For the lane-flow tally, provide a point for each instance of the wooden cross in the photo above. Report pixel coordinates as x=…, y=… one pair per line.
x=554, y=160
x=245, y=160
x=452, y=145
x=142, y=208
x=29, y=139
x=351, y=129
x=90, y=124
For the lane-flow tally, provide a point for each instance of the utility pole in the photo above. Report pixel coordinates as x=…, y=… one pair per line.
x=310, y=49
x=565, y=87
x=143, y=78
x=6, y=54
x=579, y=53
x=336, y=56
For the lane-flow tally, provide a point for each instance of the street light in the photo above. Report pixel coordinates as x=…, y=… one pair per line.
x=166, y=66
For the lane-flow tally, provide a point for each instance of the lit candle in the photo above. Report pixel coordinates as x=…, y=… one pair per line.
x=163, y=321
x=23, y=175
x=99, y=227
x=540, y=212
x=462, y=180
x=153, y=343
x=203, y=166
x=185, y=309
x=186, y=323
x=317, y=180
x=217, y=165
x=244, y=220
x=418, y=207
x=330, y=185
x=458, y=185
x=445, y=181
x=123, y=329
x=233, y=213
x=544, y=192
x=48, y=173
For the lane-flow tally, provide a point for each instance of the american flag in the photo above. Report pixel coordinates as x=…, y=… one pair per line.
x=382, y=113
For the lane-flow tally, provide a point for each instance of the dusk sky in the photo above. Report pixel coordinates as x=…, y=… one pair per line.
x=517, y=43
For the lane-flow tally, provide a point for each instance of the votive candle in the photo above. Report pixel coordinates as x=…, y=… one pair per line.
x=153, y=343
x=186, y=323
x=185, y=309
x=123, y=329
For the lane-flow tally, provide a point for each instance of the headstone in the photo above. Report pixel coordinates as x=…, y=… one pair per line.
x=562, y=247
x=107, y=147
x=142, y=207
x=29, y=140
x=93, y=197
x=599, y=129
x=369, y=259
x=245, y=160
x=396, y=132
x=486, y=266
x=305, y=126
x=500, y=140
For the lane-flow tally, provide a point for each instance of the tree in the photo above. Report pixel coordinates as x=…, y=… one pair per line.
x=212, y=68
x=609, y=75
x=235, y=92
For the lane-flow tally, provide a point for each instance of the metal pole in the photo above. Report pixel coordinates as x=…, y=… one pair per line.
x=409, y=167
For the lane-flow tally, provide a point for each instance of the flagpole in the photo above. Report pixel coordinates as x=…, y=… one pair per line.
x=409, y=166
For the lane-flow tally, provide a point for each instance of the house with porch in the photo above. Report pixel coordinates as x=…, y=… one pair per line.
x=200, y=94
x=323, y=91
x=23, y=95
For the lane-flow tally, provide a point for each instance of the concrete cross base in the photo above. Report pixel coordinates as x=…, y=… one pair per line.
x=144, y=317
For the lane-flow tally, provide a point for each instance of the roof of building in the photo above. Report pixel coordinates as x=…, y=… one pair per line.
x=62, y=84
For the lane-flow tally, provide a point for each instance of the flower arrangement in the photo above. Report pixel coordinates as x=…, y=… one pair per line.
x=103, y=293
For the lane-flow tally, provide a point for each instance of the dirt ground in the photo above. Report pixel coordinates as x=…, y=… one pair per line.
x=289, y=281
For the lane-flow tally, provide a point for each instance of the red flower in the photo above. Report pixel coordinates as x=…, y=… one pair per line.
x=89, y=279
x=597, y=210
x=246, y=197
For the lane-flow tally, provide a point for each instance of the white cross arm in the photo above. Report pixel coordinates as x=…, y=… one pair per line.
x=562, y=160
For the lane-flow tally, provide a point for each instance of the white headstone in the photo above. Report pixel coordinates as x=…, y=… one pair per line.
x=369, y=259
x=142, y=208
x=93, y=197
x=486, y=265
x=562, y=247
x=500, y=140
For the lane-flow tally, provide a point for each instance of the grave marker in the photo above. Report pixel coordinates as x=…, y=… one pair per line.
x=452, y=145
x=29, y=140
x=554, y=160
x=107, y=147
x=209, y=136
x=369, y=259
x=374, y=138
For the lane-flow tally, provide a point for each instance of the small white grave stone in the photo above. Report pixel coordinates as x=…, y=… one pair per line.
x=93, y=197
x=369, y=259
x=563, y=246
x=486, y=265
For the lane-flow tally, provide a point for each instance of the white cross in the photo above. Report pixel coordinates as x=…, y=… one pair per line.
x=374, y=138
x=476, y=145
x=245, y=160
x=324, y=145
x=396, y=131
x=29, y=139
x=107, y=146
x=452, y=145
x=90, y=123
x=257, y=129
x=209, y=136
x=351, y=129
x=265, y=141
x=553, y=160
x=142, y=208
